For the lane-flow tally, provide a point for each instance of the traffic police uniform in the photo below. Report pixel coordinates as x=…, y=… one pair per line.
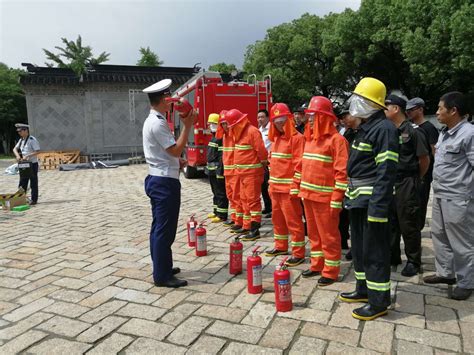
x=406, y=206
x=162, y=186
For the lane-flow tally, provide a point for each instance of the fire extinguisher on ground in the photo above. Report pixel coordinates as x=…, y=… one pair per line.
x=235, y=262
x=254, y=272
x=191, y=225
x=282, y=283
x=201, y=243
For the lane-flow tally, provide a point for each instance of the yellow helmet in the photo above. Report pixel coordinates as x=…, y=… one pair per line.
x=372, y=89
x=213, y=118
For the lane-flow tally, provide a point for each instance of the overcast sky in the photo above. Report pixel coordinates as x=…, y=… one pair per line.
x=181, y=32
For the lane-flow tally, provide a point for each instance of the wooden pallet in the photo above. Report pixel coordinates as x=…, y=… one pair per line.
x=50, y=160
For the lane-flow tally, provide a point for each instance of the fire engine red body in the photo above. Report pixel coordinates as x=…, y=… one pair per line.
x=201, y=242
x=235, y=262
x=282, y=283
x=191, y=226
x=254, y=273
x=208, y=93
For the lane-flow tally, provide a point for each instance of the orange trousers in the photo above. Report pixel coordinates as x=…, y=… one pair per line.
x=287, y=218
x=232, y=189
x=250, y=191
x=324, y=237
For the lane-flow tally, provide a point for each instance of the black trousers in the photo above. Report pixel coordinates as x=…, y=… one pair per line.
x=405, y=220
x=344, y=228
x=267, y=202
x=425, y=188
x=34, y=182
x=220, y=201
x=371, y=255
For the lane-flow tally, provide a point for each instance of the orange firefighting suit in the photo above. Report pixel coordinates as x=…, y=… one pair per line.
x=249, y=153
x=323, y=180
x=287, y=212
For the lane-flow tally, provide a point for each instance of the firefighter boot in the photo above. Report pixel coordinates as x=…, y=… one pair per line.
x=254, y=232
x=276, y=252
x=211, y=215
x=369, y=312
x=234, y=228
x=294, y=261
x=325, y=281
x=229, y=223
x=310, y=273
x=352, y=297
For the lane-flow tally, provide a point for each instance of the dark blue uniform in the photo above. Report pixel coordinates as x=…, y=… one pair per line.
x=215, y=171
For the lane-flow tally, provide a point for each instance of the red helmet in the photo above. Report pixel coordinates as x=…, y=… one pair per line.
x=234, y=116
x=279, y=110
x=320, y=104
x=222, y=118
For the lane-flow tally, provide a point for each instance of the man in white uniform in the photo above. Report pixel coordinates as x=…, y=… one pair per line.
x=264, y=126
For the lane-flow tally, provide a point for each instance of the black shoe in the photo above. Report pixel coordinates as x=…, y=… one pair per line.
x=310, y=273
x=228, y=223
x=235, y=227
x=276, y=252
x=176, y=270
x=241, y=231
x=32, y=203
x=434, y=279
x=352, y=297
x=349, y=255
x=325, y=281
x=294, y=261
x=268, y=215
x=410, y=269
x=250, y=237
x=461, y=294
x=266, y=211
x=173, y=282
x=369, y=312
x=395, y=262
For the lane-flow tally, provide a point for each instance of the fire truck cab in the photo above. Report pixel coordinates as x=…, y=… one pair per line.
x=209, y=93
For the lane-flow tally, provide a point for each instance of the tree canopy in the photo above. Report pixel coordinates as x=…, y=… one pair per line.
x=223, y=68
x=74, y=56
x=148, y=58
x=421, y=47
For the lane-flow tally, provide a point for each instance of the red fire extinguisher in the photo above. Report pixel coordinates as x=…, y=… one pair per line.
x=235, y=262
x=254, y=272
x=282, y=283
x=180, y=104
x=192, y=224
x=201, y=243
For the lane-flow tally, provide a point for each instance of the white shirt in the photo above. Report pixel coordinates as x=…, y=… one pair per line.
x=264, y=132
x=157, y=137
x=27, y=146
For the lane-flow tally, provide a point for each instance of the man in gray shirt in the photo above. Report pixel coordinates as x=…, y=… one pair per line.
x=26, y=150
x=162, y=186
x=453, y=199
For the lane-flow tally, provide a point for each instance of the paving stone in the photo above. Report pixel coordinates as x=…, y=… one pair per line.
x=26, y=310
x=464, y=308
x=7, y=294
x=409, y=348
x=412, y=320
x=188, y=331
x=323, y=300
x=134, y=284
x=408, y=302
x=69, y=282
x=338, y=348
x=146, y=328
x=377, y=336
x=102, y=311
x=101, y=284
x=342, y=335
x=239, y=348
x=224, y=313
x=307, y=314
x=22, y=326
x=111, y=345
x=342, y=317
x=60, y=347
x=234, y=287
x=101, y=329
x=74, y=273
x=64, y=326
x=210, y=298
x=206, y=345
x=467, y=331
x=10, y=282
x=280, y=334
x=244, y=333
x=150, y=346
x=171, y=299
x=36, y=294
x=70, y=310
x=141, y=311
x=137, y=296
x=22, y=342
x=6, y=307
x=441, y=319
x=69, y=295
x=307, y=344
x=45, y=272
x=428, y=337
x=101, y=297
x=179, y=313
x=99, y=274
x=245, y=300
x=260, y=315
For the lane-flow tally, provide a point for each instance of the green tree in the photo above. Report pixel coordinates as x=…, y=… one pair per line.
x=223, y=68
x=74, y=56
x=148, y=58
x=12, y=106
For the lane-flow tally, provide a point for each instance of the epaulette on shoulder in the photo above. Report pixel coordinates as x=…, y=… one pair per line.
x=414, y=125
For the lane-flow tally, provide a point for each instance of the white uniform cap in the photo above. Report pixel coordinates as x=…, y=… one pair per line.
x=160, y=87
x=22, y=125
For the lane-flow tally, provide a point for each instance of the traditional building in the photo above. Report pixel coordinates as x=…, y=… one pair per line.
x=102, y=111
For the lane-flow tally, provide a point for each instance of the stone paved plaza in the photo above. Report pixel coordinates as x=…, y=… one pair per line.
x=75, y=277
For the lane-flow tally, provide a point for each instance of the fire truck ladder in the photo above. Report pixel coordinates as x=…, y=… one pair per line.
x=262, y=89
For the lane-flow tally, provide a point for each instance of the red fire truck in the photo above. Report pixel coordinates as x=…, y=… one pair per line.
x=209, y=93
